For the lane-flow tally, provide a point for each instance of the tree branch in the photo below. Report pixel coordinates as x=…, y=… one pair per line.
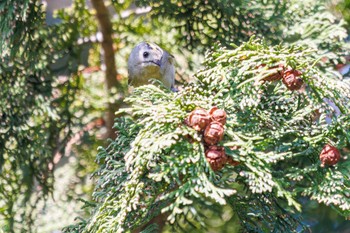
x=105, y=24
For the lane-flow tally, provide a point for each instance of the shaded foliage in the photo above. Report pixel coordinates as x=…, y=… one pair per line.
x=35, y=106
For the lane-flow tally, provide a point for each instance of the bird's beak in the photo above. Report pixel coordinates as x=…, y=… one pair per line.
x=157, y=62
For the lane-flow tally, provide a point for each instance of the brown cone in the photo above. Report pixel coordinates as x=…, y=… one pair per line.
x=213, y=133
x=198, y=119
x=330, y=155
x=216, y=157
x=218, y=115
x=292, y=80
x=276, y=76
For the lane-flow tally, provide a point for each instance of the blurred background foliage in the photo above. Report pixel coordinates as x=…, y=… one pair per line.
x=53, y=92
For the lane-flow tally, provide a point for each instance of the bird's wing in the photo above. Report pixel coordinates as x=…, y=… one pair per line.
x=168, y=68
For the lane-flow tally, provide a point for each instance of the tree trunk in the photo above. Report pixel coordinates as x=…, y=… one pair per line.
x=105, y=24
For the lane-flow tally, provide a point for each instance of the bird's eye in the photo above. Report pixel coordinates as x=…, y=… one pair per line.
x=145, y=54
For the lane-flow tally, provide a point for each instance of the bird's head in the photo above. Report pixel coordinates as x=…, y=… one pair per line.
x=146, y=54
x=148, y=61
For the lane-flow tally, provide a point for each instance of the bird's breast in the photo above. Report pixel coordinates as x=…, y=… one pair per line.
x=145, y=73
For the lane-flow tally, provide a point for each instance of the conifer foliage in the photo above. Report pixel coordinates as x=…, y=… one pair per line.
x=285, y=138
x=35, y=114
x=158, y=163
x=23, y=109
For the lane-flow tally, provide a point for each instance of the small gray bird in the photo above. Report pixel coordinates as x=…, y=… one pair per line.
x=148, y=61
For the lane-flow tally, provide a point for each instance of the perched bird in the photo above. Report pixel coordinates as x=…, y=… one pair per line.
x=148, y=61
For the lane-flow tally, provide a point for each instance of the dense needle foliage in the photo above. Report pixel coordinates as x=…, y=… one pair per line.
x=157, y=164
x=35, y=114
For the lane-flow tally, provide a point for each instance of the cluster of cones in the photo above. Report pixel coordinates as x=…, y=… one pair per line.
x=329, y=155
x=211, y=125
x=290, y=77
